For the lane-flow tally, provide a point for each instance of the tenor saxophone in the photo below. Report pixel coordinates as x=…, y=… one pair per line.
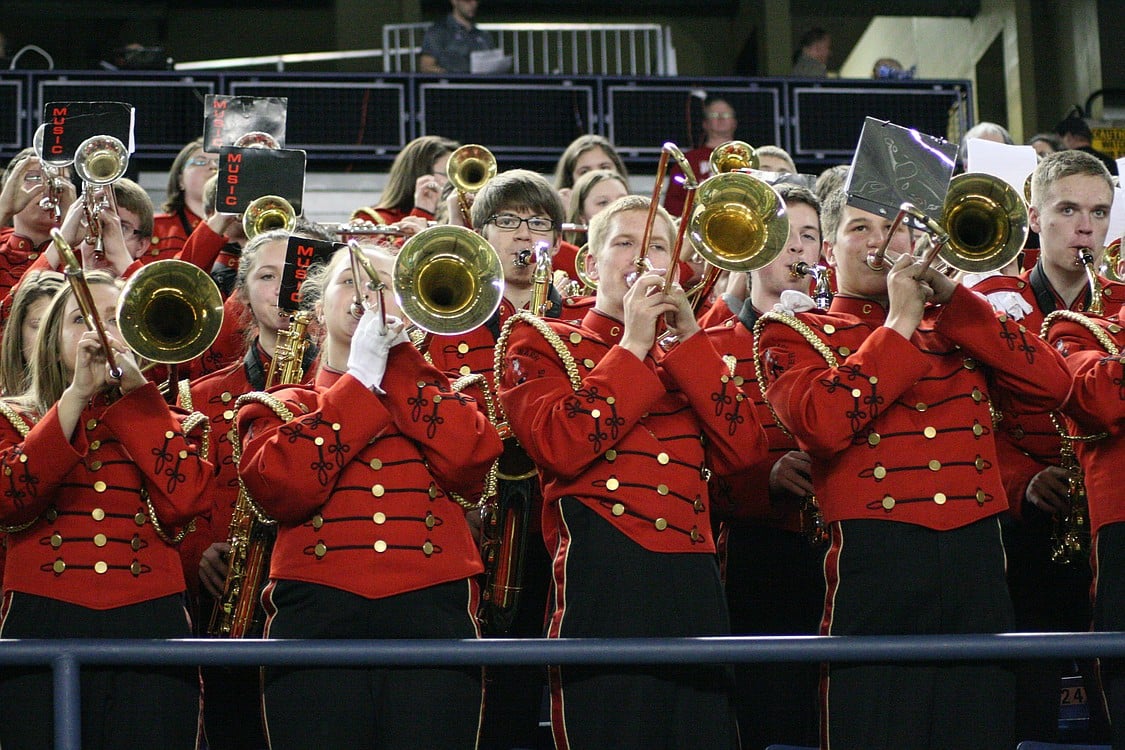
x=1070, y=531
x=252, y=534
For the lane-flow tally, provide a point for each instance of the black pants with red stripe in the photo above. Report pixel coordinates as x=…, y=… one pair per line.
x=1109, y=615
x=609, y=586
x=364, y=708
x=890, y=578
x=122, y=707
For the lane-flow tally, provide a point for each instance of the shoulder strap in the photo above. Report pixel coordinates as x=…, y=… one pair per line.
x=184, y=388
x=546, y=332
x=21, y=425
x=1076, y=317
x=806, y=332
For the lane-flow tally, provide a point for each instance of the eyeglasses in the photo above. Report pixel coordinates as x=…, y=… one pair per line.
x=131, y=232
x=510, y=223
x=202, y=161
x=720, y=115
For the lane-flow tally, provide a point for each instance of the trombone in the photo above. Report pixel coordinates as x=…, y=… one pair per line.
x=170, y=312
x=983, y=226
x=77, y=279
x=447, y=280
x=470, y=167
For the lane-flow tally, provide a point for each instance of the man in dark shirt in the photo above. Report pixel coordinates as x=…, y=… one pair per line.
x=447, y=44
x=1076, y=134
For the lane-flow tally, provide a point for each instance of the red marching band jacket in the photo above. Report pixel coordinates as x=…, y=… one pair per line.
x=83, y=532
x=1096, y=406
x=746, y=495
x=359, y=483
x=898, y=429
x=1028, y=443
x=634, y=441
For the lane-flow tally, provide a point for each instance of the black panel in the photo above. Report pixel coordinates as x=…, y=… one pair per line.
x=516, y=116
x=11, y=105
x=828, y=120
x=169, y=112
x=642, y=118
x=333, y=116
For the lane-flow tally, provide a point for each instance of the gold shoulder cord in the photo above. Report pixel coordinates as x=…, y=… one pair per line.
x=1102, y=338
x=184, y=388
x=193, y=420
x=552, y=338
x=1077, y=317
x=807, y=333
x=278, y=408
x=459, y=385
x=22, y=427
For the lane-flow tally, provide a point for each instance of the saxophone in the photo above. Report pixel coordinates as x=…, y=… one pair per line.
x=238, y=613
x=1070, y=531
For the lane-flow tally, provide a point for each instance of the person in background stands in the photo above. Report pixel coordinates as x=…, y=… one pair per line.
x=1045, y=143
x=1076, y=134
x=811, y=58
x=183, y=203
x=447, y=44
x=719, y=124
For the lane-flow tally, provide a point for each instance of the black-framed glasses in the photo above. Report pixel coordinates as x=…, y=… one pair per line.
x=510, y=223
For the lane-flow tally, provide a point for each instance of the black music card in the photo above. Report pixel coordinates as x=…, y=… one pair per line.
x=895, y=165
x=249, y=173
x=301, y=255
x=67, y=124
x=226, y=119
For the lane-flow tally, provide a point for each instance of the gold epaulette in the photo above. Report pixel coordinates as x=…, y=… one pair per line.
x=184, y=390
x=807, y=333
x=1076, y=317
x=547, y=333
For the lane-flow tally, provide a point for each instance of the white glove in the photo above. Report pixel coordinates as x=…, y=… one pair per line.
x=1010, y=303
x=793, y=302
x=367, y=360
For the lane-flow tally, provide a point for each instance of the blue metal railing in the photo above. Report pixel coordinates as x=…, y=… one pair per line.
x=66, y=657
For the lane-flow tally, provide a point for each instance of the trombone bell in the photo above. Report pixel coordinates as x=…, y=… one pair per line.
x=987, y=223
x=470, y=168
x=170, y=311
x=739, y=222
x=448, y=280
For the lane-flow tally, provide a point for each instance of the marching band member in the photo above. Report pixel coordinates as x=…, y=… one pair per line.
x=357, y=471
x=102, y=479
x=29, y=305
x=183, y=204
x=585, y=154
x=625, y=437
x=592, y=192
x=24, y=186
x=890, y=394
x=1048, y=596
x=769, y=530
x=414, y=183
x=232, y=694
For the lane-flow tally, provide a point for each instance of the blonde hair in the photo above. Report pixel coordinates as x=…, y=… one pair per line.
x=598, y=233
x=34, y=286
x=50, y=372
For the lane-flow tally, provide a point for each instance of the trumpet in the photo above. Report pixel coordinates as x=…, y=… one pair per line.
x=1096, y=305
x=984, y=225
x=448, y=280
x=267, y=213
x=256, y=139
x=470, y=167
x=99, y=161
x=52, y=176
x=733, y=156
x=77, y=280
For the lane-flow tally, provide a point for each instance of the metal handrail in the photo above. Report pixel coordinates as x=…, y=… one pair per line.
x=67, y=656
x=279, y=61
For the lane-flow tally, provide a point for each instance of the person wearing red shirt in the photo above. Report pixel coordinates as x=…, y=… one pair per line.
x=414, y=183
x=183, y=203
x=719, y=124
x=102, y=480
x=370, y=542
x=1071, y=195
x=625, y=436
x=890, y=393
